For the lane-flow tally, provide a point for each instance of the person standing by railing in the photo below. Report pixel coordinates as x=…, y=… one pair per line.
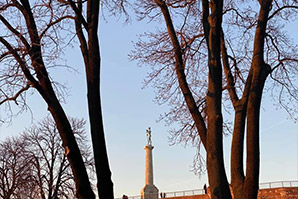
x=205, y=188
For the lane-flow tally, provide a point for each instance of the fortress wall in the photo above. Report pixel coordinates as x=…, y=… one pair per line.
x=273, y=193
x=279, y=193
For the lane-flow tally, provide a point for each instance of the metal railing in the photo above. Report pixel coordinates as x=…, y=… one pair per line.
x=278, y=184
x=266, y=185
x=174, y=194
x=185, y=193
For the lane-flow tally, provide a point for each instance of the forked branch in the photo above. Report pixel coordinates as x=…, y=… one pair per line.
x=14, y=98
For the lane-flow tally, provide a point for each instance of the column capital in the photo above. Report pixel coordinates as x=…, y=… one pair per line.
x=149, y=146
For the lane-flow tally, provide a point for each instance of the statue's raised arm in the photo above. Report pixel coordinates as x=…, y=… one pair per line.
x=148, y=131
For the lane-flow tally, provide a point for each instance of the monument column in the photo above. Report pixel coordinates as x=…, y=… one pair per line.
x=149, y=165
x=149, y=191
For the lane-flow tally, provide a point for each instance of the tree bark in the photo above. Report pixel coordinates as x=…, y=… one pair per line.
x=237, y=172
x=260, y=71
x=91, y=54
x=240, y=106
x=219, y=185
x=249, y=105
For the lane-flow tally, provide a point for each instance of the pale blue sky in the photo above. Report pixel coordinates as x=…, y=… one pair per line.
x=128, y=110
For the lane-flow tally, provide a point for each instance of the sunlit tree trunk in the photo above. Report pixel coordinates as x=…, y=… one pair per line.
x=260, y=71
x=219, y=185
x=240, y=106
x=247, y=186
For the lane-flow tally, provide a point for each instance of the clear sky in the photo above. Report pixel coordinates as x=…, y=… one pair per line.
x=128, y=110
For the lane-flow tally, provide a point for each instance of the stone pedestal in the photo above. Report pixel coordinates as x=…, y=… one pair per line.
x=149, y=191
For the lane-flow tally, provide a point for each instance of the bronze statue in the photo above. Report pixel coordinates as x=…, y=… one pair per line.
x=149, y=136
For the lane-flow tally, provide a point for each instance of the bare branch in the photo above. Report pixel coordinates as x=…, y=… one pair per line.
x=229, y=77
x=23, y=65
x=54, y=23
x=14, y=98
x=281, y=61
x=14, y=31
x=181, y=75
x=81, y=36
x=180, y=4
x=78, y=14
x=280, y=9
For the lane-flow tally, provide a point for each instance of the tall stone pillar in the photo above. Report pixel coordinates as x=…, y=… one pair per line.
x=149, y=191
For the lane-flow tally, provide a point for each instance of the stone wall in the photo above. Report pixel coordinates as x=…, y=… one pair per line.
x=279, y=193
x=274, y=193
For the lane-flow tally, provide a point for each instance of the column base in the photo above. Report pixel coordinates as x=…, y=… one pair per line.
x=149, y=192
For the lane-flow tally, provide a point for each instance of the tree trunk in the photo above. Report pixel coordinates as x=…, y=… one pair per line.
x=251, y=184
x=44, y=87
x=83, y=187
x=260, y=71
x=240, y=107
x=237, y=173
x=72, y=152
x=104, y=182
x=91, y=55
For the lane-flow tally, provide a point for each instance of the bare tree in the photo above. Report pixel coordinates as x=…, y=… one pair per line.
x=30, y=34
x=34, y=164
x=52, y=171
x=187, y=62
x=15, y=169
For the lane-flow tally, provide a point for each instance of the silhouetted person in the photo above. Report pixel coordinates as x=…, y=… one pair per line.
x=164, y=195
x=205, y=188
x=160, y=194
x=124, y=197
